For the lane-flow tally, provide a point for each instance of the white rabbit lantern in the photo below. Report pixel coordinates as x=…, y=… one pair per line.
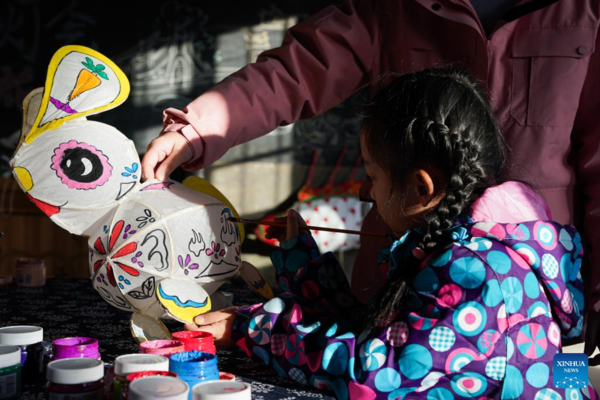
x=159, y=247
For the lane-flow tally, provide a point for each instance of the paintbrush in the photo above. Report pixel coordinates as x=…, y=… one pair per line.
x=316, y=228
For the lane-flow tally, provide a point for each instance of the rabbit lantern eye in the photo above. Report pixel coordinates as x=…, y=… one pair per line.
x=80, y=165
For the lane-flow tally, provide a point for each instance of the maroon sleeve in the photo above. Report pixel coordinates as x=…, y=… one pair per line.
x=322, y=61
x=586, y=147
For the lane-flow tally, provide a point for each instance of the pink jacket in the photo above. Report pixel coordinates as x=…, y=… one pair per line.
x=540, y=68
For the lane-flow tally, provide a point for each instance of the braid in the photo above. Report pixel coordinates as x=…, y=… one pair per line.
x=465, y=178
x=438, y=120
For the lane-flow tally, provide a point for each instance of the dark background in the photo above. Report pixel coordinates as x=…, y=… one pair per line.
x=171, y=52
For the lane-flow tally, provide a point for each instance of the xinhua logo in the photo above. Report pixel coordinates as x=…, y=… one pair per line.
x=570, y=370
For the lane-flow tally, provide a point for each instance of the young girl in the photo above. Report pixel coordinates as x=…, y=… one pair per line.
x=470, y=309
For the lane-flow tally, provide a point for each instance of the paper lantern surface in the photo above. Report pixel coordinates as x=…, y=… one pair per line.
x=158, y=248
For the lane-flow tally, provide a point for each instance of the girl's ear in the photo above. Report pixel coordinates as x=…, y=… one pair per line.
x=425, y=188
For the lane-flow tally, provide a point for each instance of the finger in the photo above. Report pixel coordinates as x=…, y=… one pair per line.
x=215, y=316
x=149, y=162
x=292, y=224
x=165, y=169
x=191, y=327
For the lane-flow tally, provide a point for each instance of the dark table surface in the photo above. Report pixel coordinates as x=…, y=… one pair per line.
x=71, y=307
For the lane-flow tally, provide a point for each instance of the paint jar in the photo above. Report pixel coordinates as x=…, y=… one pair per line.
x=30, y=272
x=131, y=363
x=10, y=372
x=159, y=388
x=6, y=280
x=144, y=374
x=29, y=339
x=194, y=367
x=162, y=347
x=76, y=378
x=75, y=347
x=222, y=390
x=196, y=340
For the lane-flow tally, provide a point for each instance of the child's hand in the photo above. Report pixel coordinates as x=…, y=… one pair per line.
x=218, y=323
x=164, y=154
x=294, y=224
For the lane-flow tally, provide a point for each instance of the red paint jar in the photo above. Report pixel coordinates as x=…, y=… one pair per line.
x=197, y=340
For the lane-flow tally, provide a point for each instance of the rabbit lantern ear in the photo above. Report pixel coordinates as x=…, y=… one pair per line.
x=80, y=82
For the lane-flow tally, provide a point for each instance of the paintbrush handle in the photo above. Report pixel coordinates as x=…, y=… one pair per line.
x=316, y=228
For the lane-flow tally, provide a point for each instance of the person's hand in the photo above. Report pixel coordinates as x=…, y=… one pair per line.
x=164, y=154
x=218, y=323
x=592, y=337
x=294, y=227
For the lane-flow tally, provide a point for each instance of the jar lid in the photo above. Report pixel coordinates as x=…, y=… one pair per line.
x=9, y=356
x=22, y=335
x=130, y=363
x=158, y=387
x=222, y=390
x=75, y=371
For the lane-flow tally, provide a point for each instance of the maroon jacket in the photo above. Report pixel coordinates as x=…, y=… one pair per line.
x=539, y=66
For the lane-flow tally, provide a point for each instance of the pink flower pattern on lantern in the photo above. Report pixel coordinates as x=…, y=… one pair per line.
x=215, y=250
x=187, y=264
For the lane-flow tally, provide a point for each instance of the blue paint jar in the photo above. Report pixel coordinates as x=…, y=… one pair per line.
x=194, y=367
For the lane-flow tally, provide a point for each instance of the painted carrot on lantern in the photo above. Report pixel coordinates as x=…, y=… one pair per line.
x=88, y=78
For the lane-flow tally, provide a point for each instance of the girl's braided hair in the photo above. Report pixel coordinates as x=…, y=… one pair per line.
x=433, y=119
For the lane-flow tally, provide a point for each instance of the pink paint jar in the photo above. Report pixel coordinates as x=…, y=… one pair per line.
x=162, y=347
x=197, y=340
x=75, y=347
x=30, y=272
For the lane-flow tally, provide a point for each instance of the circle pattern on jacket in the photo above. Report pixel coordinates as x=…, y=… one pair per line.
x=512, y=291
x=499, y=262
x=294, y=350
x=496, y=368
x=297, y=375
x=514, y=390
x=278, y=344
x=532, y=341
x=491, y=293
x=335, y=358
x=259, y=329
x=550, y=266
x=554, y=333
x=467, y=272
x=458, y=358
x=441, y=338
x=373, y=354
x=415, y=361
x=547, y=394
x=469, y=319
x=387, y=379
x=546, y=235
x=537, y=375
x=397, y=334
x=469, y=384
x=528, y=253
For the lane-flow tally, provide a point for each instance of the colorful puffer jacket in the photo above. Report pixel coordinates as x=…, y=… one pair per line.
x=484, y=318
